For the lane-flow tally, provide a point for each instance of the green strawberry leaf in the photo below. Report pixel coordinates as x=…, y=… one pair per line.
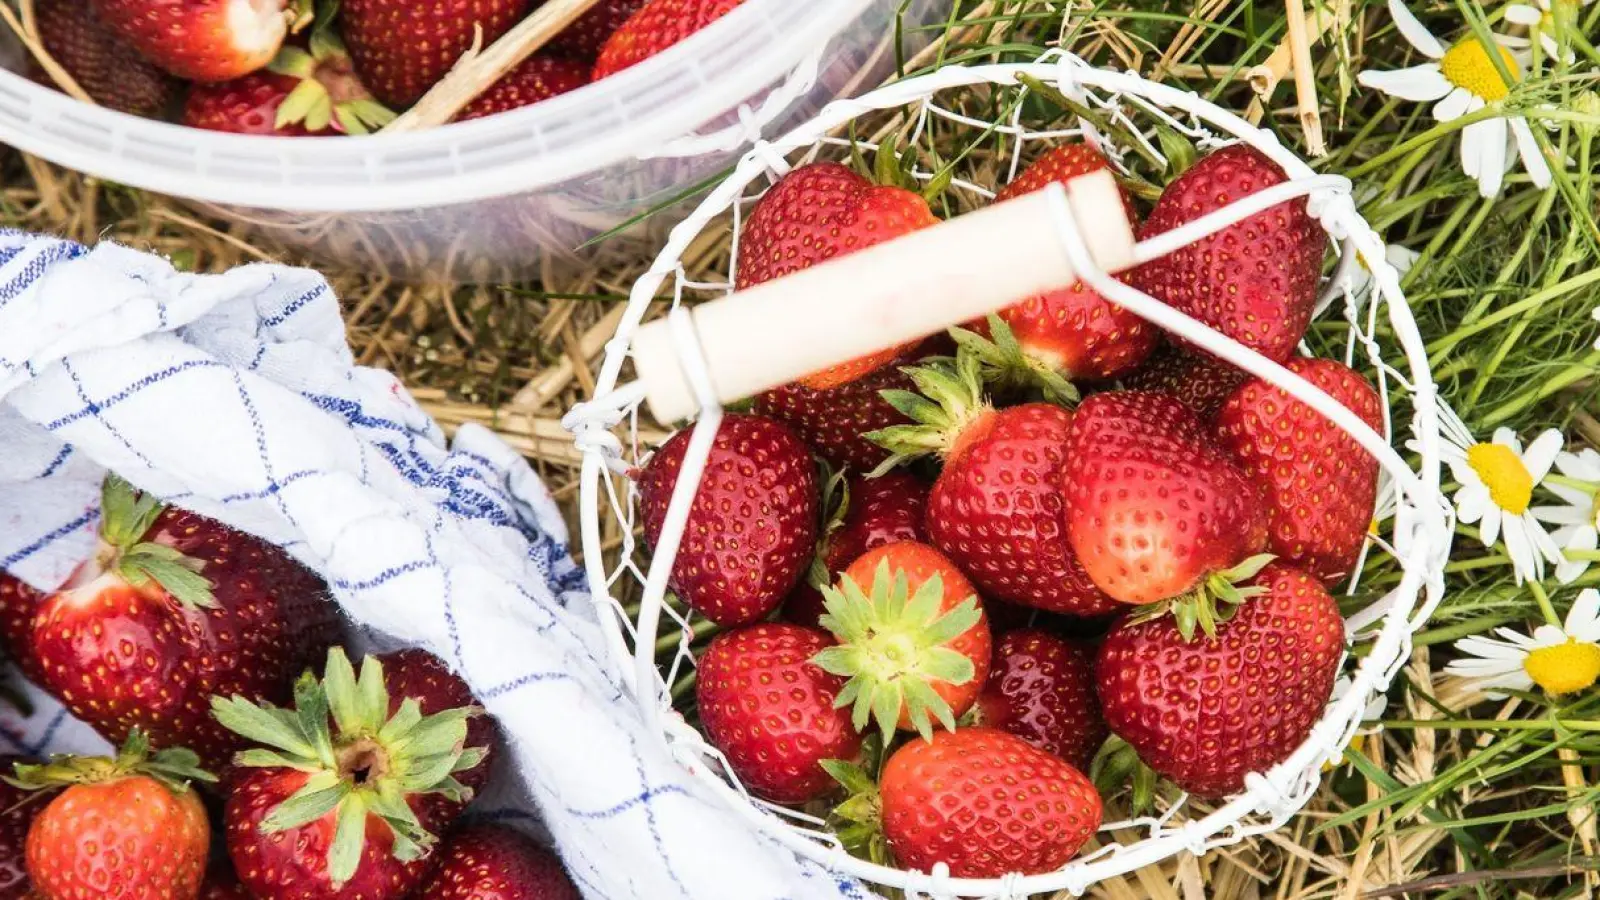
x=322, y=794
x=177, y=574
x=263, y=724
x=349, y=839
x=126, y=515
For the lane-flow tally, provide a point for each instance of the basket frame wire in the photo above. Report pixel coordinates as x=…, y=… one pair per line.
x=1423, y=519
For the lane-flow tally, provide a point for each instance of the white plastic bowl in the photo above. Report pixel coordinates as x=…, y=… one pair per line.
x=484, y=200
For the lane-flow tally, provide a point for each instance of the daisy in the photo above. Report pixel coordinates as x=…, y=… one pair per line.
x=1497, y=481
x=1370, y=716
x=1560, y=660
x=1463, y=79
x=1540, y=17
x=1578, y=522
x=1361, y=278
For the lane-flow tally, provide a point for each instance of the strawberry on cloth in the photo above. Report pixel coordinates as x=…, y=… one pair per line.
x=235, y=397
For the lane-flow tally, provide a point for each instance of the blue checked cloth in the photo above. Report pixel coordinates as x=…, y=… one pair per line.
x=236, y=396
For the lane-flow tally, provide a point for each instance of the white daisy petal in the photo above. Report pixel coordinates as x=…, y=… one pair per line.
x=1420, y=83
x=1414, y=31
x=1528, y=150
x=1516, y=638
x=1571, y=514
x=1462, y=471
x=1526, y=563
x=1523, y=14
x=1489, y=528
x=1571, y=495
x=1513, y=681
x=1472, y=502
x=1540, y=539
x=1541, y=454
x=1585, y=464
x=1483, y=154
x=1453, y=106
x=1506, y=437
x=1549, y=636
x=1583, y=619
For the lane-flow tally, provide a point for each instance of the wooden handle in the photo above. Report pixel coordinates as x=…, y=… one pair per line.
x=883, y=296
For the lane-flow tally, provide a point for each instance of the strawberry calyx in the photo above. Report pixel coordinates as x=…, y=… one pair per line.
x=368, y=763
x=892, y=167
x=329, y=95
x=1118, y=765
x=175, y=768
x=893, y=646
x=835, y=505
x=1007, y=365
x=858, y=819
x=1211, y=602
x=948, y=411
x=126, y=517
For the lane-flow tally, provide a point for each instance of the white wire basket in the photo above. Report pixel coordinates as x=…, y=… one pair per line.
x=653, y=638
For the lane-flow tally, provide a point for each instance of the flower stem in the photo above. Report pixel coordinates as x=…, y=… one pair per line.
x=1543, y=598
x=1578, y=484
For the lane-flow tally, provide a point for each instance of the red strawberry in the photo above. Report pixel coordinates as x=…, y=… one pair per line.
x=19, y=603
x=1155, y=508
x=17, y=812
x=288, y=837
x=998, y=508
x=300, y=94
x=754, y=521
x=1197, y=380
x=419, y=675
x=1321, y=487
x=172, y=609
x=1206, y=712
x=202, y=40
x=1255, y=281
x=913, y=639
x=874, y=512
x=772, y=712
x=584, y=37
x=402, y=48
x=126, y=827
x=833, y=420
x=657, y=25
x=538, y=78
x=222, y=884
x=1041, y=689
x=112, y=74
x=815, y=213
x=986, y=804
x=492, y=862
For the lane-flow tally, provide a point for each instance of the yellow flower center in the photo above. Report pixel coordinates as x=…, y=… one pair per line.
x=1508, y=480
x=1564, y=668
x=1468, y=65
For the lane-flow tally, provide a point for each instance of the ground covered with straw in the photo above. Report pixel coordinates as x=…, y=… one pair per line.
x=1473, y=787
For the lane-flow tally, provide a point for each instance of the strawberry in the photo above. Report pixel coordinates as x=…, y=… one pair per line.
x=584, y=38
x=173, y=608
x=301, y=93
x=1321, y=487
x=1255, y=281
x=1197, y=380
x=1205, y=712
x=127, y=827
x=492, y=862
x=998, y=509
x=112, y=74
x=986, y=804
x=18, y=605
x=402, y=48
x=1155, y=508
x=537, y=78
x=871, y=512
x=1041, y=689
x=202, y=40
x=815, y=213
x=753, y=525
x=17, y=812
x=419, y=675
x=222, y=884
x=657, y=25
x=772, y=712
x=833, y=420
x=913, y=640
x=344, y=812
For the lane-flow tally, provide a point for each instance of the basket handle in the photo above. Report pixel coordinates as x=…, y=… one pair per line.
x=882, y=296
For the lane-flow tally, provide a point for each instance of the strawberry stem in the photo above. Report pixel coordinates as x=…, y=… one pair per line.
x=1007, y=366
x=948, y=401
x=174, y=768
x=126, y=517
x=1212, y=602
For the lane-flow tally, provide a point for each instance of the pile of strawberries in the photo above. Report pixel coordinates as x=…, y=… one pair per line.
x=326, y=67
x=946, y=574
x=187, y=642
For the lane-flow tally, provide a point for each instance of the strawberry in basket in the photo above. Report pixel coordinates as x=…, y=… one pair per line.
x=109, y=71
x=204, y=40
x=401, y=48
x=657, y=25
x=863, y=514
x=491, y=862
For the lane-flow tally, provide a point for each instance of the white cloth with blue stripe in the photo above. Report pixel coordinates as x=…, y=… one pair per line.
x=236, y=396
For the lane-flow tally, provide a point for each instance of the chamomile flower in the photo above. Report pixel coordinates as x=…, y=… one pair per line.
x=1370, y=715
x=1497, y=479
x=1560, y=660
x=1462, y=78
x=1540, y=17
x=1400, y=257
x=1578, y=520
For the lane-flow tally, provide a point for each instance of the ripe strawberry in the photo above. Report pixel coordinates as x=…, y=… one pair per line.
x=202, y=40
x=1320, y=485
x=657, y=25
x=301, y=93
x=402, y=48
x=132, y=822
x=537, y=78
x=986, y=804
x=347, y=812
x=1255, y=281
x=492, y=862
x=833, y=420
x=584, y=38
x=1197, y=380
x=753, y=526
x=772, y=711
x=419, y=675
x=869, y=513
x=998, y=508
x=1206, y=712
x=1155, y=509
x=17, y=811
x=1041, y=689
x=914, y=642
x=815, y=213
x=18, y=605
x=111, y=73
x=172, y=609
